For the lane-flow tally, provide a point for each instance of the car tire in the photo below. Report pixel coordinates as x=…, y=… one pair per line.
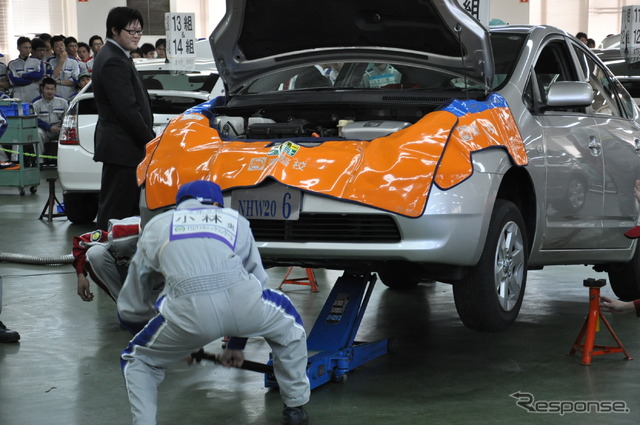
x=398, y=276
x=625, y=278
x=81, y=208
x=490, y=295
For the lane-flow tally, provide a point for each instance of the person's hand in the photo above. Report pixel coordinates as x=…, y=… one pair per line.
x=54, y=129
x=616, y=306
x=63, y=56
x=233, y=358
x=83, y=288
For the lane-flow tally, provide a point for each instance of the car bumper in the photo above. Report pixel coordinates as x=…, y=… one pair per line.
x=451, y=231
x=77, y=171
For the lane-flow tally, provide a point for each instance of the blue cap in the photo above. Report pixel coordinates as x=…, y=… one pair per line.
x=205, y=192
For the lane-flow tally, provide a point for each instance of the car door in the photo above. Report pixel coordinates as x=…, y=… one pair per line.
x=614, y=113
x=573, y=157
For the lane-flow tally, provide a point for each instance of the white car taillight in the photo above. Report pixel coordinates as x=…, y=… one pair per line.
x=69, y=131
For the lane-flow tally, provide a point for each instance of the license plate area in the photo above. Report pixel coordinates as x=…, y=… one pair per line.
x=273, y=202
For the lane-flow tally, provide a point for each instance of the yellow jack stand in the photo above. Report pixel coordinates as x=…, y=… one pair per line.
x=310, y=280
x=591, y=325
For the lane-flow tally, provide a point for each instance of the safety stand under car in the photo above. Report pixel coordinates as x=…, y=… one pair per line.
x=334, y=332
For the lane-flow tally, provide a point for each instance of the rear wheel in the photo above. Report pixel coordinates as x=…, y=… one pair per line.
x=625, y=279
x=81, y=208
x=490, y=296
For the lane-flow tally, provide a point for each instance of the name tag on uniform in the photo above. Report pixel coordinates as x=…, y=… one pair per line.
x=215, y=223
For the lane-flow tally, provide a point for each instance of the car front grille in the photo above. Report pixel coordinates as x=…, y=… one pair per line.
x=356, y=228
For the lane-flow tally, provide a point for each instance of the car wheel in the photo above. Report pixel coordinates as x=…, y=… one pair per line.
x=81, y=208
x=490, y=296
x=625, y=279
x=575, y=195
x=398, y=276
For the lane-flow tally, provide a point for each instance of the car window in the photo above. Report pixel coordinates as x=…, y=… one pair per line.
x=604, y=99
x=553, y=64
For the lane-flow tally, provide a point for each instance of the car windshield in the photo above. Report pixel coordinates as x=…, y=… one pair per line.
x=506, y=49
x=389, y=76
x=360, y=75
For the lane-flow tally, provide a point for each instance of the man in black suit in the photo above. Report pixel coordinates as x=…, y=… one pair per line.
x=125, y=120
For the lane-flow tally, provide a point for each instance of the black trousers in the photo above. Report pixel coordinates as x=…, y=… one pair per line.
x=119, y=194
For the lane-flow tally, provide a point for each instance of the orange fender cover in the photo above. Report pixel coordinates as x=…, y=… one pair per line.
x=392, y=173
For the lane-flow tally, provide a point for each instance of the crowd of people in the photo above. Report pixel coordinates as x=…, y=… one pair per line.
x=59, y=61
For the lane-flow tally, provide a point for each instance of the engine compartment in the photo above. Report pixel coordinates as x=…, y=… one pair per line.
x=327, y=115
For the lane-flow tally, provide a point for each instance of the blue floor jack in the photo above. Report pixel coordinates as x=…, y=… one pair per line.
x=333, y=335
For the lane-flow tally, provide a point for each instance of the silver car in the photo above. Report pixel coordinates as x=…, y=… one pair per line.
x=405, y=138
x=171, y=92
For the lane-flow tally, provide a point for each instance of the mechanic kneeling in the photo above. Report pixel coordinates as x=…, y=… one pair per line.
x=214, y=279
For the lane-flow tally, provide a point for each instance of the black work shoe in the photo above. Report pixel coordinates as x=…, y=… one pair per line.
x=295, y=416
x=7, y=335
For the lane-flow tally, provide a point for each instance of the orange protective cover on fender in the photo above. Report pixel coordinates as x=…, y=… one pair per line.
x=393, y=173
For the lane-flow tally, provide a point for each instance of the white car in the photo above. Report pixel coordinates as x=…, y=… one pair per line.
x=171, y=91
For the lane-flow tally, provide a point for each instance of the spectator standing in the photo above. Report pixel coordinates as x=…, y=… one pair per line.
x=4, y=79
x=95, y=42
x=62, y=68
x=47, y=43
x=50, y=110
x=71, y=46
x=39, y=50
x=25, y=72
x=84, y=52
x=148, y=51
x=161, y=48
x=583, y=37
x=125, y=120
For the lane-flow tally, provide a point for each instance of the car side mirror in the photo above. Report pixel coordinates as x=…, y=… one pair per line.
x=566, y=94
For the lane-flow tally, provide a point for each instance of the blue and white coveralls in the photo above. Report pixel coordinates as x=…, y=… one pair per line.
x=214, y=281
x=70, y=72
x=50, y=113
x=25, y=76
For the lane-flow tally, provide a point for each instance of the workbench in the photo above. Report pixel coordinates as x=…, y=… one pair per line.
x=22, y=131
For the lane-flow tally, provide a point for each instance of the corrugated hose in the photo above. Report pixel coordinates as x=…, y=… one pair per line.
x=32, y=259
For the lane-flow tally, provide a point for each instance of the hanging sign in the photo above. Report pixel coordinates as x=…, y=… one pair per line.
x=181, y=40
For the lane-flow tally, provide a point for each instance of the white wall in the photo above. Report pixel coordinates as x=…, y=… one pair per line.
x=510, y=11
x=92, y=16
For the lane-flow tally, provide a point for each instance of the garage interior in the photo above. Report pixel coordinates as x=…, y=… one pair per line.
x=65, y=369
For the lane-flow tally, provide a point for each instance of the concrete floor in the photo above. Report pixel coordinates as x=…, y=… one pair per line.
x=65, y=369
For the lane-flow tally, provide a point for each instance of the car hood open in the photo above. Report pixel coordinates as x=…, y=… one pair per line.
x=258, y=36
